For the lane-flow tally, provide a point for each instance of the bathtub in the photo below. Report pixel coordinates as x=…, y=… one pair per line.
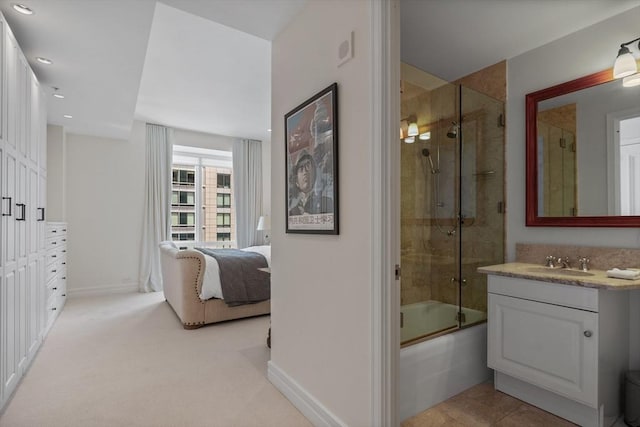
x=434, y=370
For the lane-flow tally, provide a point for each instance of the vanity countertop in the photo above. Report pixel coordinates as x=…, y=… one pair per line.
x=591, y=279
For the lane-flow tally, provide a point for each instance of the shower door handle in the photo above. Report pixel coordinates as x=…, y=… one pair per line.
x=463, y=282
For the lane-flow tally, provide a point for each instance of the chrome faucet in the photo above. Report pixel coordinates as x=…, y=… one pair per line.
x=564, y=262
x=583, y=261
x=551, y=261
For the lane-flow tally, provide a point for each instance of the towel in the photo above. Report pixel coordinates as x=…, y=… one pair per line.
x=624, y=273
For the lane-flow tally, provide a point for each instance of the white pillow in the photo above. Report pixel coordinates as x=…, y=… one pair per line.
x=265, y=251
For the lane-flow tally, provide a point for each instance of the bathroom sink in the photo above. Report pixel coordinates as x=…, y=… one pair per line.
x=560, y=271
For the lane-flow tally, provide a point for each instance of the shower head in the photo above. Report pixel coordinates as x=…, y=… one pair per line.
x=426, y=153
x=453, y=130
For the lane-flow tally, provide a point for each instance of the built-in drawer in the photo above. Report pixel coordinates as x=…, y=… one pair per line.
x=553, y=293
x=52, y=257
x=52, y=289
x=56, y=230
x=51, y=272
x=52, y=307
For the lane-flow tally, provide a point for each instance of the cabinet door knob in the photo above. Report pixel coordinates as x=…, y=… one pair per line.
x=588, y=334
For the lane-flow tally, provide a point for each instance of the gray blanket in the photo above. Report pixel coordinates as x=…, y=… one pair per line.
x=240, y=279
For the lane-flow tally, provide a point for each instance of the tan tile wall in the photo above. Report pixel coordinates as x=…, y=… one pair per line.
x=491, y=81
x=428, y=252
x=601, y=258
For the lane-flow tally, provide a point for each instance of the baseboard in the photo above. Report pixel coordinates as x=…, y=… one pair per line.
x=104, y=290
x=315, y=412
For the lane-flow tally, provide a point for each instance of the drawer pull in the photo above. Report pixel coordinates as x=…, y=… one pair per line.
x=64, y=263
x=55, y=289
x=54, y=231
x=23, y=212
x=41, y=218
x=64, y=250
x=54, y=256
x=64, y=278
x=64, y=295
x=10, y=203
x=54, y=271
x=64, y=229
x=53, y=309
x=588, y=334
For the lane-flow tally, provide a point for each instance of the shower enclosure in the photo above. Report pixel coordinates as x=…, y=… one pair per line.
x=452, y=205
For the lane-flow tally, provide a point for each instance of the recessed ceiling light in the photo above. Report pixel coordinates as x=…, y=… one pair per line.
x=68, y=116
x=22, y=9
x=45, y=61
x=58, y=95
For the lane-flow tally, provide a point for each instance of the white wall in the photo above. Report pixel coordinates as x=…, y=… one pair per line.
x=202, y=140
x=581, y=53
x=321, y=285
x=105, y=183
x=56, y=185
x=105, y=187
x=587, y=51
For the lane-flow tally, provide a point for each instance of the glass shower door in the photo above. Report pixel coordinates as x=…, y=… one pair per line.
x=481, y=199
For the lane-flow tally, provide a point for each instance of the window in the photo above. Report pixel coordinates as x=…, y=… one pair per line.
x=224, y=200
x=182, y=236
x=224, y=180
x=183, y=198
x=224, y=220
x=201, y=200
x=183, y=176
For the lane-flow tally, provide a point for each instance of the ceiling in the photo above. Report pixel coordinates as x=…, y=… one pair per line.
x=453, y=38
x=204, y=65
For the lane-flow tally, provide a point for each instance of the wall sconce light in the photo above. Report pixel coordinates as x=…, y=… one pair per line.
x=425, y=136
x=413, y=129
x=632, y=80
x=625, y=64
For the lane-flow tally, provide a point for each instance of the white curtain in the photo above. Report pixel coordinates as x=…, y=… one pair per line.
x=156, y=226
x=247, y=190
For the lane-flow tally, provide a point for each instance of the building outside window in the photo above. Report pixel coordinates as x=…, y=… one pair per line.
x=223, y=200
x=222, y=237
x=224, y=220
x=224, y=180
x=202, y=208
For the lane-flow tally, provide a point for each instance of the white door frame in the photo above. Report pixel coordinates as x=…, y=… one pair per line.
x=385, y=210
x=613, y=156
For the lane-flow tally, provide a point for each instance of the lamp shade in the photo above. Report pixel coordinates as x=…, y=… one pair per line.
x=625, y=64
x=264, y=223
x=413, y=129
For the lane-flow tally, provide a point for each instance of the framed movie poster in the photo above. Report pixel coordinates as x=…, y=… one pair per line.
x=311, y=146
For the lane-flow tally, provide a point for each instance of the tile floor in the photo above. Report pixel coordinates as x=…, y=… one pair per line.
x=483, y=406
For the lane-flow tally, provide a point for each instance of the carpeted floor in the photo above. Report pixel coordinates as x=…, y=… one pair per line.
x=124, y=360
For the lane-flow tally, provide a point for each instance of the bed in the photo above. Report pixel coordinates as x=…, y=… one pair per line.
x=189, y=284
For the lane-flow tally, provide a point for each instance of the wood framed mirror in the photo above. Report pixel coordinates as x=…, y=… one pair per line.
x=583, y=154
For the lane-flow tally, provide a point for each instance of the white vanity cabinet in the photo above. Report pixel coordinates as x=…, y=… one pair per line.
x=562, y=348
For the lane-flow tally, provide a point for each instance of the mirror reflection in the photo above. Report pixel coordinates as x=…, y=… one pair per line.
x=588, y=152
